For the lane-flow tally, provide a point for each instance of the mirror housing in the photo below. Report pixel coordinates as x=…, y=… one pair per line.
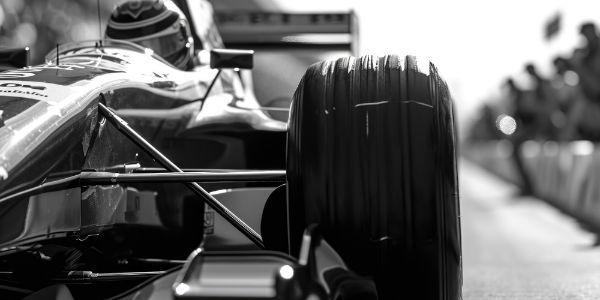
x=14, y=58
x=231, y=59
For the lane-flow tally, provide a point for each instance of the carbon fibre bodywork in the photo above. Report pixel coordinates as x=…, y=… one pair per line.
x=51, y=129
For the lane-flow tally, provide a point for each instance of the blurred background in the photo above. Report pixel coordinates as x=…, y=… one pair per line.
x=475, y=45
x=525, y=77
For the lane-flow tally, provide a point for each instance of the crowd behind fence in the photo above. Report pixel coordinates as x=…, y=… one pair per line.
x=565, y=174
x=564, y=106
x=553, y=110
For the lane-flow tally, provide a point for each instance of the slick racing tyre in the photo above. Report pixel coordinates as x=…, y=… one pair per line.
x=371, y=159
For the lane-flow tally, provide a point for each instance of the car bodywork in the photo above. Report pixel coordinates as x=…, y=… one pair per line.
x=50, y=129
x=52, y=135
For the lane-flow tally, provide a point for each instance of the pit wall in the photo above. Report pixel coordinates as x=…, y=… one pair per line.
x=566, y=175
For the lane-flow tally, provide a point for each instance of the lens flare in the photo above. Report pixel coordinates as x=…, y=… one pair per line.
x=286, y=272
x=506, y=124
x=181, y=289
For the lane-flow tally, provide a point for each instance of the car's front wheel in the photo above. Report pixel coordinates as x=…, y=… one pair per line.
x=371, y=158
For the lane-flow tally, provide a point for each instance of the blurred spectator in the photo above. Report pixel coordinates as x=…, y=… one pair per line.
x=565, y=84
x=527, y=119
x=41, y=25
x=567, y=94
x=584, y=117
x=484, y=128
x=523, y=107
x=549, y=117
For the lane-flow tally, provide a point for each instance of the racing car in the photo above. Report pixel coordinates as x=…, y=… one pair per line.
x=123, y=177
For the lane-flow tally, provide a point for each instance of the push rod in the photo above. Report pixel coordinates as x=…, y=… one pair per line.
x=136, y=138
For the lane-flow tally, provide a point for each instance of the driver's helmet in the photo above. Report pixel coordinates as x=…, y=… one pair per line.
x=156, y=24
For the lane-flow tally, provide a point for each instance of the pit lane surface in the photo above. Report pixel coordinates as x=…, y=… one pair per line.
x=520, y=247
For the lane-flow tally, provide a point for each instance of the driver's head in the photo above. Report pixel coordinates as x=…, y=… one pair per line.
x=588, y=31
x=561, y=65
x=530, y=69
x=156, y=24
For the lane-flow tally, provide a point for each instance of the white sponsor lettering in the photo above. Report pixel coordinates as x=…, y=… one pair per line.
x=19, y=93
x=27, y=86
x=22, y=89
x=30, y=72
x=42, y=91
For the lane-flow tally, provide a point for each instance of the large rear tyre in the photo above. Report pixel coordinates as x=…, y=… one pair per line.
x=371, y=158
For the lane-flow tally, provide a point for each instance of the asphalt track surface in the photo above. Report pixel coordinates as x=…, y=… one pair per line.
x=520, y=247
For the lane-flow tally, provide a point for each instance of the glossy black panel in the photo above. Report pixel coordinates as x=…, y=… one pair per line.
x=12, y=106
x=371, y=158
x=231, y=59
x=14, y=58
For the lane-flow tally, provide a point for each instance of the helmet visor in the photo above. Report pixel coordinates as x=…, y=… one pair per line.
x=165, y=45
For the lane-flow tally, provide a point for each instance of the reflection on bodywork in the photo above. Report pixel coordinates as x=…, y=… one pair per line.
x=223, y=110
x=104, y=205
x=40, y=215
x=247, y=203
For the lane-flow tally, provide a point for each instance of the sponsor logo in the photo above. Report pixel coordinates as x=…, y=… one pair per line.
x=41, y=91
x=28, y=86
x=30, y=72
x=23, y=89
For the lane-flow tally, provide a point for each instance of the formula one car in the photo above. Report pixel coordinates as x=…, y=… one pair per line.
x=123, y=177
